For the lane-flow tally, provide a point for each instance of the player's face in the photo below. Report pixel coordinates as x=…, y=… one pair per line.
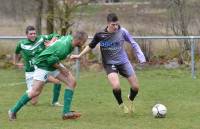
x=113, y=26
x=31, y=35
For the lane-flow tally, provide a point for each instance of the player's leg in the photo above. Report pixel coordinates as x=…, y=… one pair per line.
x=115, y=84
x=56, y=94
x=133, y=81
x=70, y=83
x=56, y=90
x=27, y=96
x=127, y=71
x=133, y=91
x=114, y=81
x=40, y=77
x=34, y=100
x=112, y=75
x=29, y=83
x=19, y=104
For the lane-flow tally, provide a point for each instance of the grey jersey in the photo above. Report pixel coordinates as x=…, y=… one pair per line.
x=112, y=46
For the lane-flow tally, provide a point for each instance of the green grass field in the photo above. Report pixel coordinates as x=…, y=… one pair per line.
x=93, y=98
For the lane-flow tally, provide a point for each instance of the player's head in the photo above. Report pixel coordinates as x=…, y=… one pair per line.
x=31, y=33
x=79, y=38
x=112, y=22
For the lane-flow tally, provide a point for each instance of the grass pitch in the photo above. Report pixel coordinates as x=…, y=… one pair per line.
x=93, y=98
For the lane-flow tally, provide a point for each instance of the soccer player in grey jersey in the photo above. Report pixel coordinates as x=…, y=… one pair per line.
x=115, y=59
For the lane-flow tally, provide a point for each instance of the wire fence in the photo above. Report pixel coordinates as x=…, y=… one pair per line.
x=192, y=40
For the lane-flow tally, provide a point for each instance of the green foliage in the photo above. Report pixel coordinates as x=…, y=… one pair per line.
x=94, y=99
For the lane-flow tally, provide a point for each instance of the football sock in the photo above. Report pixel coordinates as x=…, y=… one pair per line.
x=21, y=102
x=67, y=100
x=117, y=94
x=132, y=94
x=56, y=92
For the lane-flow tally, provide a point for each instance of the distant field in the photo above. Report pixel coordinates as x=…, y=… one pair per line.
x=141, y=18
x=7, y=47
x=94, y=99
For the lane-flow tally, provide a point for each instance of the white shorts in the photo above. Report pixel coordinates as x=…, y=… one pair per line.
x=42, y=75
x=29, y=80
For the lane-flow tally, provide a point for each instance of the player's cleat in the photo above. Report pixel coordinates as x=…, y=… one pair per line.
x=57, y=104
x=11, y=115
x=71, y=115
x=131, y=106
x=124, y=108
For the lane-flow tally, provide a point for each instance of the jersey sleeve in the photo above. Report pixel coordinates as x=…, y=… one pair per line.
x=50, y=36
x=136, y=48
x=18, y=48
x=94, y=41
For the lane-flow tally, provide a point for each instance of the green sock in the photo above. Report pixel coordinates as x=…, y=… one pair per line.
x=21, y=102
x=67, y=100
x=56, y=92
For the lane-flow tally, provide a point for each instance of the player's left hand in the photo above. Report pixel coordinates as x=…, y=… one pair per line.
x=141, y=66
x=19, y=65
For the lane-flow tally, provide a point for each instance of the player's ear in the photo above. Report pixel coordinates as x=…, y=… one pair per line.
x=76, y=42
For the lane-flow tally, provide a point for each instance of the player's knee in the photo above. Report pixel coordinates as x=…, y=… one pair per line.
x=74, y=83
x=116, y=88
x=33, y=102
x=57, y=82
x=136, y=87
x=37, y=93
x=34, y=93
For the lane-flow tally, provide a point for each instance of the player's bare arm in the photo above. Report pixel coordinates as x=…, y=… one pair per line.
x=85, y=50
x=16, y=61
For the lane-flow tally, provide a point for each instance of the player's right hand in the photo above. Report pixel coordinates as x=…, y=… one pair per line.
x=73, y=57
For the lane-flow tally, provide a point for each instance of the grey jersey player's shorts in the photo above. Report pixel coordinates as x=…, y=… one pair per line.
x=126, y=70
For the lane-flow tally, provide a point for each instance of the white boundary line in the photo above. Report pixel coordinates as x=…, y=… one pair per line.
x=11, y=84
x=20, y=83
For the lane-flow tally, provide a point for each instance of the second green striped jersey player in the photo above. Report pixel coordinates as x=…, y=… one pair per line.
x=30, y=49
x=48, y=64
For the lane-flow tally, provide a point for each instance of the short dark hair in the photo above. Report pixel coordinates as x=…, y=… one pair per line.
x=112, y=17
x=29, y=28
x=82, y=35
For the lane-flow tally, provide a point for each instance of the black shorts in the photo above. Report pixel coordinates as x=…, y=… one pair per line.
x=126, y=70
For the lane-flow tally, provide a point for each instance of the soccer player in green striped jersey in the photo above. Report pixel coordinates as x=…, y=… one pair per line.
x=28, y=49
x=48, y=64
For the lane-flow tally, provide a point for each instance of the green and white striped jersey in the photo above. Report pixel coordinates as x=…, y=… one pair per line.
x=31, y=49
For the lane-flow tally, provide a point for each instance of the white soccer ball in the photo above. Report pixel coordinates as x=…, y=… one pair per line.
x=159, y=111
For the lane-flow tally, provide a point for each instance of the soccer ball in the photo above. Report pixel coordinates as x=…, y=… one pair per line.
x=159, y=111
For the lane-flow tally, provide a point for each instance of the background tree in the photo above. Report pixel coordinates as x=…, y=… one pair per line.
x=50, y=16
x=179, y=14
x=39, y=16
x=64, y=14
